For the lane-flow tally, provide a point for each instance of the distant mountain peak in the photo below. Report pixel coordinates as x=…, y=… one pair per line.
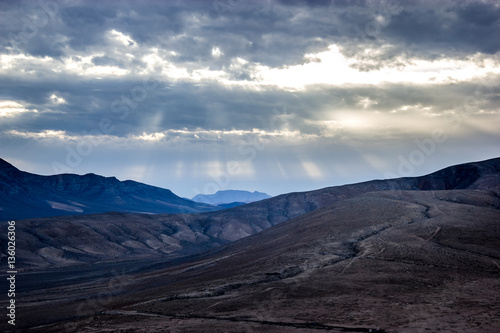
x=25, y=195
x=222, y=197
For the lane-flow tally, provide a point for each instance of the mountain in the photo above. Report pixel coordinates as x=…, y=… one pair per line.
x=231, y=205
x=379, y=261
x=25, y=195
x=230, y=196
x=397, y=261
x=71, y=240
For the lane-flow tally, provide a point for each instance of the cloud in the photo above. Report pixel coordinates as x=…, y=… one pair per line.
x=46, y=134
x=332, y=67
x=12, y=108
x=359, y=79
x=57, y=100
x=469, y=26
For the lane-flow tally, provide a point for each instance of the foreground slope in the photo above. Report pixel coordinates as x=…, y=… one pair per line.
x=387, y=261
x=26, y=195
x=71, y=240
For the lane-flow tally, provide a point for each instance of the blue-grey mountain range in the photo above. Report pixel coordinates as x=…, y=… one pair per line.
x=230, y=196
x=26, y=195
x=58, y=240
x=355, y=258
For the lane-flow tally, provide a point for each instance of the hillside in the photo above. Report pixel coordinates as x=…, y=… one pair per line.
x=386, y=261
x=25, y=195
x=71, y=240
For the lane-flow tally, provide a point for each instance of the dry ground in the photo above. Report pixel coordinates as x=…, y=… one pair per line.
x=396, y=261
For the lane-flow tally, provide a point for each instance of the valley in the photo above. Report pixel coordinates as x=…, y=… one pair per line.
x=359, y=258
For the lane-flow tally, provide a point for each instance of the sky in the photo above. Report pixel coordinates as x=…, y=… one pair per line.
x=273, y=96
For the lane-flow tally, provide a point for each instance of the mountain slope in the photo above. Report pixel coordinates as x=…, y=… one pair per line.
x=230, y=196
x=25, y=195
x=385, y=261
x=116, y=236
x=395, y=261
x=235, y=223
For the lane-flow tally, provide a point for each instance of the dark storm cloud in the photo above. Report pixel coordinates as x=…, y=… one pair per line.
x=480, y=14
x=84, y=25
x=456, y=27
x=259, y=31
x=266, y=30
x=80, y=62
x=181, y=105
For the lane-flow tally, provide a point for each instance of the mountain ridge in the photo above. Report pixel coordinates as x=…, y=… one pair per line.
x=230, y=196
x=26, y=195
x=172, y=236
x=365, y=261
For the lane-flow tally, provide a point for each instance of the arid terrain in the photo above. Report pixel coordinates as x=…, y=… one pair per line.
x=384, y=260
x=83, y=239
x=248, y=166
